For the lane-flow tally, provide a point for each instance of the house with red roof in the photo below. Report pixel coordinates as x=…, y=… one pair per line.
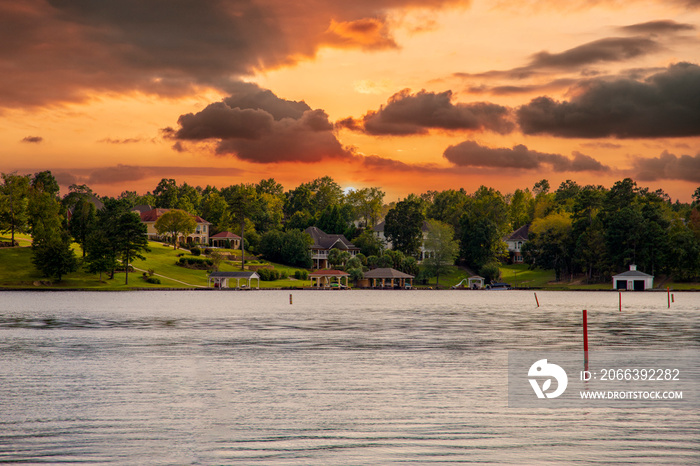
x=199, y=236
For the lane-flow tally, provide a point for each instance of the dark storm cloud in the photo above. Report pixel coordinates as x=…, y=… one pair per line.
x=68, y=49
x=554, y=85
x=33, y=139
x=611, y=49
x=472, y=154
x=666, y=104
x=406, y=114
x=668, y=166
x=657, y=27
x=255, y=125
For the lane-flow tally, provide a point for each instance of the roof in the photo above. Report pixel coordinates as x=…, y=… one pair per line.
x=234, y=275
x=154, y=214
x=476, y=277
x=225, y=235
x=386, y=273
x=521, y=234
x=323, y=240
x=141, y=208
x=326, y=272
x=632, y=272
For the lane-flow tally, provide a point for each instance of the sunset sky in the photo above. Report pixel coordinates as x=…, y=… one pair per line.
x=408, y=95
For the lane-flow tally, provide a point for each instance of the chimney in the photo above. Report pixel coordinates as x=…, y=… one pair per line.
x=633, y=268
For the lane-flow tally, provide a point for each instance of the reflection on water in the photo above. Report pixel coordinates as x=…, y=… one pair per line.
x=338, y=377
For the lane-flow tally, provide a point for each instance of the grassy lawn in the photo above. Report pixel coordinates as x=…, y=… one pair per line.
x=520, y=276
x=451, y=278
x=17, y=271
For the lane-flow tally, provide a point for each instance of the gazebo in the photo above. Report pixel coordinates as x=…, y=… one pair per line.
x=475, y=282
x=388, y=278
x=226, y=238
x=324, y=278
x=221, y=279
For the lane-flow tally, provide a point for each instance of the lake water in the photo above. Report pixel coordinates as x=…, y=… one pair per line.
x=337, y=377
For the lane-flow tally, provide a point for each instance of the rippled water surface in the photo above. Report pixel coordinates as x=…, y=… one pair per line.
x=341, y=377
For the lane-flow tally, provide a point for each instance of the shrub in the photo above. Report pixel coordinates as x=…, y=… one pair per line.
x=153, y=280
x=268, y=275
x=196, y=251
x=283, y=275
x=490, y=272
x=195, y=262
x=151, y=272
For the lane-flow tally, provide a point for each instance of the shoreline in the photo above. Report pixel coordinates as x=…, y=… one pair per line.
x=42, y=290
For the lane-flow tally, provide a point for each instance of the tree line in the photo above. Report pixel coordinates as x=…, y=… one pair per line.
x=576, y=230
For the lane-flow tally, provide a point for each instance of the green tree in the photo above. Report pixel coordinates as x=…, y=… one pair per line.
x=130, y=239
x=270, y=186
x=441, y=247
x=296, y=249
x=481, y=241
x=14, y=202
x=46, y=183
x=548, y=245
x=100, y=255
x=53, y=256
x=166, y=194
x=300, y=220
x=244, y=205
x=369, y=243
x=521, y=208
x=175, y=223
x=366, y=204
x=271, y=245
x=338, y=257
x=215, y=209
x=403, y=225
x=447, y=207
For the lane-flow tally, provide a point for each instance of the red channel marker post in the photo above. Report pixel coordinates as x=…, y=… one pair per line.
x=620, y=293
x=537, y=300
x=585, y=339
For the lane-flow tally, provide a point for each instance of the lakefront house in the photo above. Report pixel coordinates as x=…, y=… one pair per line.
x=324, y=242
x=199, y=236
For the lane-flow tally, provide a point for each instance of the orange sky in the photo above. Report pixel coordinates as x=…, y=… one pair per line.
x=408, y=95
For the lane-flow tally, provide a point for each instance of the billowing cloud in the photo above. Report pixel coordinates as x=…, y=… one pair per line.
x=666, y=104
x=33, y=139
x=668, y=166
x=472, y=154
x=256, y=125
x=368, y=33
x=68, y=49
x=406, y=114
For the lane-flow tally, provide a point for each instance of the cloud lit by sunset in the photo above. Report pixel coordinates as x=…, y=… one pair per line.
x=409, y=95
